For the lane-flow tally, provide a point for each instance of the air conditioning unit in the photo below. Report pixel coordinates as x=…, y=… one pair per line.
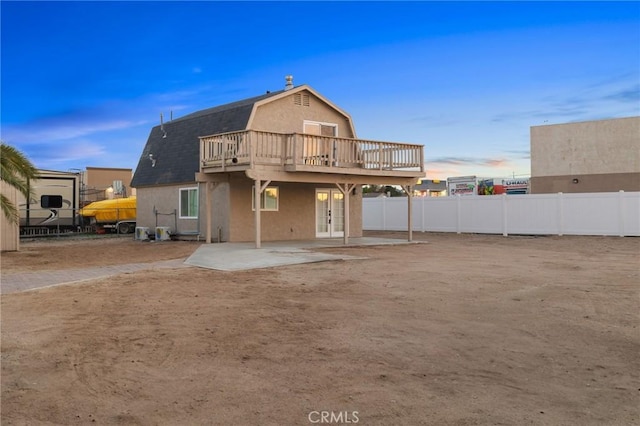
x=142, y=233
x=163, y=233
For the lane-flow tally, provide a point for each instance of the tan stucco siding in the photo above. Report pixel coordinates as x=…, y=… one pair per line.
x=220, y=214
x=295, y=218
x=283, y=116
x=9, y=231
x=591, y=147
x=160, y=206
x=604, y=182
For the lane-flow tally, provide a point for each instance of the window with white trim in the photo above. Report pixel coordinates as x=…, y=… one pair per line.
x=188, y=203
x=268, y=199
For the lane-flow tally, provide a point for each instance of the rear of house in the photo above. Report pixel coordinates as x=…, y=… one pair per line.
x=292, y=149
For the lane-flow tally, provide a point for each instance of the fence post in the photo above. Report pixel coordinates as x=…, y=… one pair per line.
x=458, y=213
x=504, y=215
x=384, y=213
x=424, y=199
x=621, y=212
x=560, y=214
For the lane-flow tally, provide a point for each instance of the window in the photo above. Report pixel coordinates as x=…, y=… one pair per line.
x=268, y=200
x=188, y=203
x=317, y=143
x=321, y=129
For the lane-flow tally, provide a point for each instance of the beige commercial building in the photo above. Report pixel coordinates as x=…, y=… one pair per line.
x=100, y=183
x=589, y=156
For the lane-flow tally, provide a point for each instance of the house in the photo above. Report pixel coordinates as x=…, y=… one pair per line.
x=431, y=188
x=588, y=156
x=291, y=152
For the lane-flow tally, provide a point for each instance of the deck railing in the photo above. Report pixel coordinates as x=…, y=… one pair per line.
x=305, y=151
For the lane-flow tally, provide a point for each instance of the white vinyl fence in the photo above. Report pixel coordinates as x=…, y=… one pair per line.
x=606, y=213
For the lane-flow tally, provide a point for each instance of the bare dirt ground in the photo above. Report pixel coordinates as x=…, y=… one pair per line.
x=461, y=330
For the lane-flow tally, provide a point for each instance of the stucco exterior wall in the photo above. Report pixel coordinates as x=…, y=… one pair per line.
x=9, y=232
x=605, y=182
x=284, y=116
x=220, y=213
x=294, y=220
x=165, y=200
x=602, y=155
x=296, y=215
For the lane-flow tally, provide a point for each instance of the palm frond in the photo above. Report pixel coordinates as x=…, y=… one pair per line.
x=9, y=209
x=16, y=171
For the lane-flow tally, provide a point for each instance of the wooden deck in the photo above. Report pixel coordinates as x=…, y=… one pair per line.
x=297, y=152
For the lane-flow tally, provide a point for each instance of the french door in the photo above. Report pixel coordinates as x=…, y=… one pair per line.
x=329, y=213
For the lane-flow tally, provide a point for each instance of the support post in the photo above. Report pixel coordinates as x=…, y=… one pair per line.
x=346, y=190
x=347, y=219
x=256, y=198
x=208, y=197
x=258, y=189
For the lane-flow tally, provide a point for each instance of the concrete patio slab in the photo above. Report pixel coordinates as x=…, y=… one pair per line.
x=243, y=256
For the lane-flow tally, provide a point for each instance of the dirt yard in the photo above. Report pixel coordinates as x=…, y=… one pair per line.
x=460, y=330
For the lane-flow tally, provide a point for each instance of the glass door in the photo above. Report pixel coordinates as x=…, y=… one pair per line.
x=329, y=213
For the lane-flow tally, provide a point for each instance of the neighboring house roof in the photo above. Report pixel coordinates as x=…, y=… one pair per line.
x=176, y=156
x=440, y=185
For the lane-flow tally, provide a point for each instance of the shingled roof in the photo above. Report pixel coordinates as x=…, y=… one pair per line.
x=177, y=154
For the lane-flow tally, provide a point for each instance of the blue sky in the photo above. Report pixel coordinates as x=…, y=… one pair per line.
x=83, y=83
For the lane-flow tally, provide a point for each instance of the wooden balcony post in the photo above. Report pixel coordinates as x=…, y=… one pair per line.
x=256, y=198
x=208, y=191
x=346, y=191
x=201, y=153
x=409, y=190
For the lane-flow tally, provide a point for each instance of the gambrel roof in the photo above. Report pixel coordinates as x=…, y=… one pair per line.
x=175, y=145
x=177, y=154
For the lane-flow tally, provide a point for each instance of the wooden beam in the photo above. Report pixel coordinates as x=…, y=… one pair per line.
x=330, y=178
x=212, y=177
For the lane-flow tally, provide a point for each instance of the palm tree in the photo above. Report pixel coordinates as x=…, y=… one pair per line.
x=16, y=170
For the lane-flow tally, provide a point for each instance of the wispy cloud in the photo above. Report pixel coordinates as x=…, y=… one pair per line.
x=519, y=154
x=49, y=156
x=434, y=121
x=586, y=103
x=57, y=129
x=629, y=94
x=467, y=161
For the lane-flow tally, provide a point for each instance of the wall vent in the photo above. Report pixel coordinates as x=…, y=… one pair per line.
x=300, y=99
